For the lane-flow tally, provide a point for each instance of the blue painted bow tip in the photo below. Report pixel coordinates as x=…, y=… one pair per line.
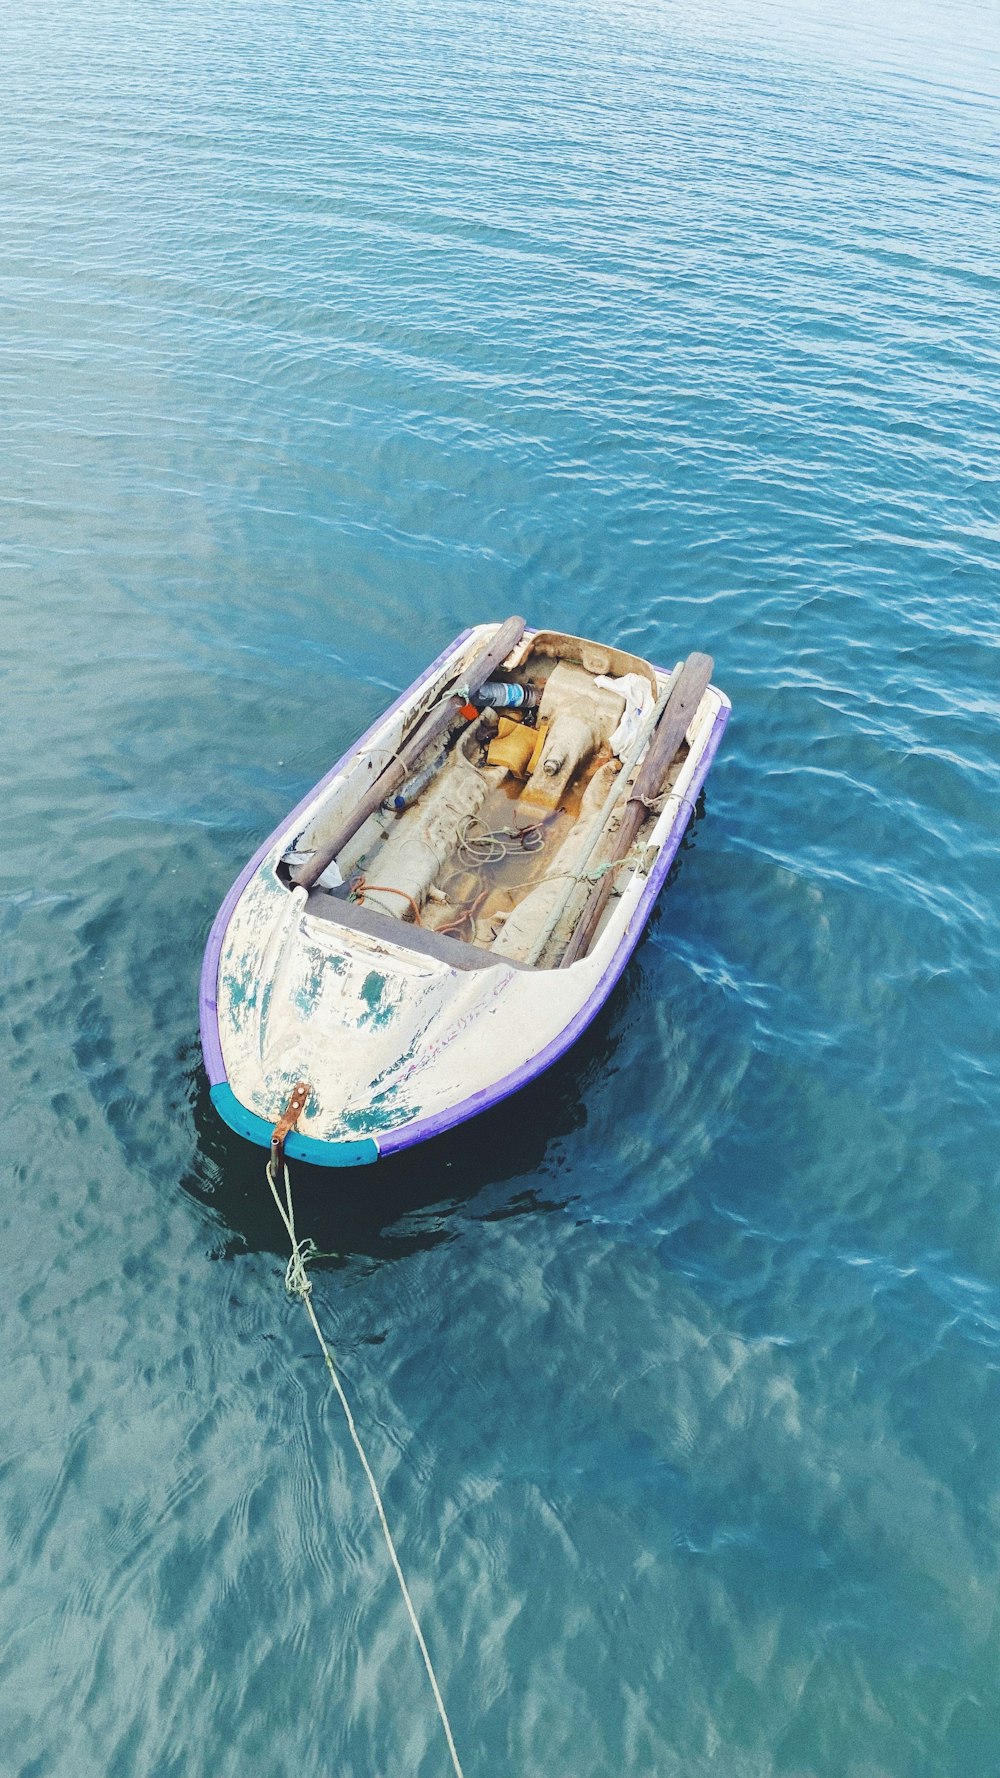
x=297, y=1147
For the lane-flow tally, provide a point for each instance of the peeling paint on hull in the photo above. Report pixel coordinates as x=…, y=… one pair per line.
x=397, y=1046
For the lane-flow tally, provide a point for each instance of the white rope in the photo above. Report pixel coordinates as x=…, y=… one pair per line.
x=477, y=845
x=298, y=1283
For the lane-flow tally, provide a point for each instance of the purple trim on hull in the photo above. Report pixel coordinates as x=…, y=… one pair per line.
x=208, y=1010
x=406, y=1135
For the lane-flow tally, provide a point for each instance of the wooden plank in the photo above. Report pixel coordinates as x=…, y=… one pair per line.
x=354, y=917
x=437, y=721
x=679, y=712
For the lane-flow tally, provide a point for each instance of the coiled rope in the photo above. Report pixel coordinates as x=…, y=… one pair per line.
x=298, y=1283
x=477, y=845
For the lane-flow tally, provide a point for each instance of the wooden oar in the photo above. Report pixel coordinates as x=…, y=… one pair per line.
x=436, y=722
x=678, y=713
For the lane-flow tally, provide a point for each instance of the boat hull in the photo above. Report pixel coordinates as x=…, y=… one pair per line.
x=397, y=1048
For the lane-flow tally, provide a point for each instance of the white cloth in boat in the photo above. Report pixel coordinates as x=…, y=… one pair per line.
x=638, y=696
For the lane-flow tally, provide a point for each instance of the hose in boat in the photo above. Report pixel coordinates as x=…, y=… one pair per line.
x=359, y=886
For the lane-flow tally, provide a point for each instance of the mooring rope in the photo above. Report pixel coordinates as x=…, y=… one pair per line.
x=298, y=1283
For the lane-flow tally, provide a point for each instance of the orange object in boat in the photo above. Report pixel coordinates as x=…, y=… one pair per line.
x=513, y=747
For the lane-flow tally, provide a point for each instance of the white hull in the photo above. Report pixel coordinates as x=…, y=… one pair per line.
x=397, y=1042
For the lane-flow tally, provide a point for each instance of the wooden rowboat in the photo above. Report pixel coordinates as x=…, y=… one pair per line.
x=447, y=910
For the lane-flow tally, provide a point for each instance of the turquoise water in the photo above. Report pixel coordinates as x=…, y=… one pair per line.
x=328, y=330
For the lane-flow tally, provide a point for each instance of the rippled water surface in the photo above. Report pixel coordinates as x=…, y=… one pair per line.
x=326, y=331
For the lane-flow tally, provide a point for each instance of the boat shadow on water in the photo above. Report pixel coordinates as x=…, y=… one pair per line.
x=407, y=1202
x=508, y=1161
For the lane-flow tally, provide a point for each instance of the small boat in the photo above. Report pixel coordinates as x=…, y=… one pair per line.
x=447, y=910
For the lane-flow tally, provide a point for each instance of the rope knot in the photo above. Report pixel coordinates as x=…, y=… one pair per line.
x=297, y=1279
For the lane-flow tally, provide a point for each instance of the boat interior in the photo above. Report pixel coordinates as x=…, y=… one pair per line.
x=493, y=843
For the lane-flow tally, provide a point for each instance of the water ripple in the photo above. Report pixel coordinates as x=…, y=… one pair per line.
x=325, y=333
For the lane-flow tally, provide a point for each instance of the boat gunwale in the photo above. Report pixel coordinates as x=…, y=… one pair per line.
x=406, y=1135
